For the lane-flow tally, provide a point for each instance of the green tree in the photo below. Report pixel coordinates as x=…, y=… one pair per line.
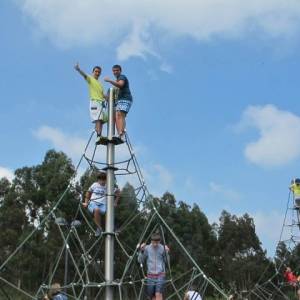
x=242, y=260
x=24, y=204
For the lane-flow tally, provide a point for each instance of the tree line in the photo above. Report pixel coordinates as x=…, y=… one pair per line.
x=230, y=252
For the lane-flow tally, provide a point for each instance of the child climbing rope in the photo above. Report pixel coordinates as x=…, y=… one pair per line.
x=95, y=200
x=55, y=293
x=97, y=98
x=295, y=188
x=192, y=294
x=292, y=279
x=156, y=256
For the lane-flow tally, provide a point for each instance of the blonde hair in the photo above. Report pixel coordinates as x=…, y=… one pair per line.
x=54, y=289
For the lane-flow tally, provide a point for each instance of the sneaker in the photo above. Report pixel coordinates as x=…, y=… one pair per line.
x=98, y=139
x=98, y=232
x=122, y=137
x=117, y=140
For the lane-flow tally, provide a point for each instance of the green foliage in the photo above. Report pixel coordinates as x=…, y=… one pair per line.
x=242, y=262
x=230, y=252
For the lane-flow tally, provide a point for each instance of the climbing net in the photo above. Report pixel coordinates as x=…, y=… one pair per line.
x=275, y=287
x=76, y=259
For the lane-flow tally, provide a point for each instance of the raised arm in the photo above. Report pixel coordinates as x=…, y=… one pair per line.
x=142, y=253
x=119, y=84
x=186, y=297
x=166, y=254
x=77, y=68
x=291, y=187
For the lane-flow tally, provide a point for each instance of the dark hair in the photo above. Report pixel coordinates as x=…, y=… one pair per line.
x=97, y=67
x=155, y=237
x=101, y=176
x=117, y=67
x=193, y=287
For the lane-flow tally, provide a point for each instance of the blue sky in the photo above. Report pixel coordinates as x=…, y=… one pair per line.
x=215, y=119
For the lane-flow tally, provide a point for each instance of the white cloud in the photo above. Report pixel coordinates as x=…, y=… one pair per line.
x=163, y=175
x=269, y=224
x=224, y=192
x=279, y=132
x=75, y=146
x=189, y=184
x=77, y=22
x=72, y=146
x=5, y=172
x=268, y=227
x=137, y=43
x=166, y=68
x=218, y=195
x=158, y=179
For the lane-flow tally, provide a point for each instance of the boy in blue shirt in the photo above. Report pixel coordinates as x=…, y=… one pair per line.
x=123, y=99
x=156, y=256
x=55, y=292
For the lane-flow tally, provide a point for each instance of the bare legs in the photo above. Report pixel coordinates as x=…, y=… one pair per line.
x=98, y=127
x=97, y=217
x=120, y=121
x=158, y=296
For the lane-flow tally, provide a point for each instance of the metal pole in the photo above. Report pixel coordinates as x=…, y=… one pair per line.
x=109, y=225
x=66, y=266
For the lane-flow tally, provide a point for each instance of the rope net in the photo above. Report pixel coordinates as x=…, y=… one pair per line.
x=276, y=287
x=74, y=256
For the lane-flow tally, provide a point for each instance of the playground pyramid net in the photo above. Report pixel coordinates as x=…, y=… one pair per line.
x=75, y=256
x=276, y=287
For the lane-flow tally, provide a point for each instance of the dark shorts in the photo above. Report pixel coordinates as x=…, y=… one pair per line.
x=123, y=105
x=155, y=285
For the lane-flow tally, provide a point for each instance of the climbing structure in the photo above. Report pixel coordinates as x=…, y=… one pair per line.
x=276, y=287
x=106, y=267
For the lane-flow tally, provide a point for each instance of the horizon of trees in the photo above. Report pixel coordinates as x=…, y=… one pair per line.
x=229, y=252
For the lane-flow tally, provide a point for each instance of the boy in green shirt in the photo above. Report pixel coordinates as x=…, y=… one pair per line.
x=97, y=98
x=295, y=188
